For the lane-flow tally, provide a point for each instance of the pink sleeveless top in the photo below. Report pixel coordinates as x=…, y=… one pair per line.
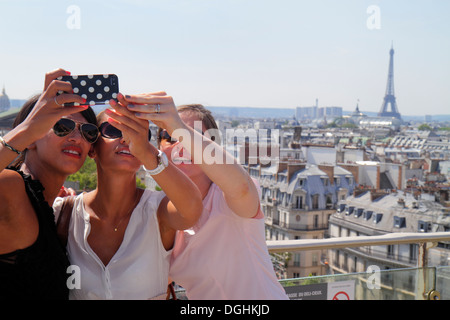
x=224, y=256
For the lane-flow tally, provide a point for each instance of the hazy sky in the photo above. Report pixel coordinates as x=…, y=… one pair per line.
x=257, y=53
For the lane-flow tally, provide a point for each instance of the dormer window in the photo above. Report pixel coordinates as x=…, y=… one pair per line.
x=424, y=226
x=341, y=207
x=358, y=212
x=377, y=217
x=399, y=222
x=367, y=215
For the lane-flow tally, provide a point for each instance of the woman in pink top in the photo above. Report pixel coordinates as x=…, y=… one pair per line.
x=224, y=256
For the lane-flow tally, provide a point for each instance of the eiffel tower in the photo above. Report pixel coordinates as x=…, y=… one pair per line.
x=389, y=98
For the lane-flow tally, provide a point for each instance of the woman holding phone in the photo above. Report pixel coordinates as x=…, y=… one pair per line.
x=48, y=143
x=121, y=236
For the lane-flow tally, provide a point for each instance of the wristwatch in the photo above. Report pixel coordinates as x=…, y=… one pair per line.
x=163, y=162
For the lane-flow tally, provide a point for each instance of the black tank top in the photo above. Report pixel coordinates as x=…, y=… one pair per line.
x=39, y=271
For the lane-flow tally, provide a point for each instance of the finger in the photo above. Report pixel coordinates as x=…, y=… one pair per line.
x=129, y=121
x=144, y=95
x=56, y=86
x=67, y=111
x=126, y=130
x=146, y=108
x=151, y=116
x=69, y=98
x=122, y=100
x=125, y=112
x=118, y=107
x=52, y=75
x=148, y=99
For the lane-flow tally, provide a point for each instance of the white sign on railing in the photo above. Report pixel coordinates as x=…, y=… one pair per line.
x=340, y=290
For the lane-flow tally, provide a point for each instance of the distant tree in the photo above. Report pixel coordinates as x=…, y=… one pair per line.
x=234, y=123
x=425, y=127
x=349, y=125
x=86, y=176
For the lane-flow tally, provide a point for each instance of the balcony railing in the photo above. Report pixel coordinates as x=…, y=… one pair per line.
x=421, y=282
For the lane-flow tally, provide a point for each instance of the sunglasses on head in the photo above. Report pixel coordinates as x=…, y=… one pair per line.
x=108, y=131
x=65, y=126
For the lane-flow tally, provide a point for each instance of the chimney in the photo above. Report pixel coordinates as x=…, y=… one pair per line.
x=375, y=195
x=329, y=170
x=293, y=168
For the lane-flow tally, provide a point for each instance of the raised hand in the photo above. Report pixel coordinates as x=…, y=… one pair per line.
x=134, y=130
x=157, y=107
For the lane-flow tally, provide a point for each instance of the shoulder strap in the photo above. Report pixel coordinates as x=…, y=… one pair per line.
x=62, y=225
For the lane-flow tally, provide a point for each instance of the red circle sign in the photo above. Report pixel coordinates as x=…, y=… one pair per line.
x=341, y=295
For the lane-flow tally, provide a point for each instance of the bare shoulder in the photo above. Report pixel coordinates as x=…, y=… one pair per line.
x=12, y=191
x=19, y=227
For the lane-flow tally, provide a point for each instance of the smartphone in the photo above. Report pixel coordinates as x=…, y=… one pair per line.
x=97, y=89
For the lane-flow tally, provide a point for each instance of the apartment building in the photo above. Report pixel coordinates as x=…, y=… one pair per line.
x=298, y=200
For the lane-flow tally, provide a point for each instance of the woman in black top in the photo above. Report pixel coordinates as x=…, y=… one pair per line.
x=49, y=142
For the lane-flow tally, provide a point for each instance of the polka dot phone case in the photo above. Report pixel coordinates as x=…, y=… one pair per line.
x=97, y=89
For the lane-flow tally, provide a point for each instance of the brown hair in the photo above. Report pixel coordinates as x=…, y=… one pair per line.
x=88, y=114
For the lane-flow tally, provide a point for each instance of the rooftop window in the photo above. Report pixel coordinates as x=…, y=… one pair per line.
x=349, y=210
x=377, y=217
x=359, y=212
x=399, y=222
x=424, y=226
x=367, y=214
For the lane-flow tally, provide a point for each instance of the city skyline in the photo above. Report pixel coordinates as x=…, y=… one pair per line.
x=237, y=53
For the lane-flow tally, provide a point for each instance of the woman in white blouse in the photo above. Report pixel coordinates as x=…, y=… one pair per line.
x=121, y=236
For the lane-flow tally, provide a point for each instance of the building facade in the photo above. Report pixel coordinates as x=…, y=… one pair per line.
x=297, y=200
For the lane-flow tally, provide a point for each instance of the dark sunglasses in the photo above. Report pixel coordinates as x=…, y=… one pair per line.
x=65, y=126
x=108, y=131
x=164, y=135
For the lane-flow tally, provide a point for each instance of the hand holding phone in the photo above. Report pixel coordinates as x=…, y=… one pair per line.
x=97, y=89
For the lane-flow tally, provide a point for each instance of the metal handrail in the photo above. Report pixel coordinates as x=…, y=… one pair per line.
x=425, y=241
x=276, y=246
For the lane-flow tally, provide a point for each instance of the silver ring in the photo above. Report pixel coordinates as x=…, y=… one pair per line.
x=57, y=102
x=158, y=108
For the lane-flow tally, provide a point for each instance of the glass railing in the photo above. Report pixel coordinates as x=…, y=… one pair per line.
x=430, y=283
x=423, y=282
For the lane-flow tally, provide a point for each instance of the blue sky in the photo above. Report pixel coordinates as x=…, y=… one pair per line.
x=257, y=53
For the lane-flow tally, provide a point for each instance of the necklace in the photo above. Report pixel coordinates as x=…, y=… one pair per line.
x=130, y=212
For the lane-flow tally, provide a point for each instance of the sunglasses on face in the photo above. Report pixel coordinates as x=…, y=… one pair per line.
x=164, y=135
x=108, y=131
x=65, y=126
